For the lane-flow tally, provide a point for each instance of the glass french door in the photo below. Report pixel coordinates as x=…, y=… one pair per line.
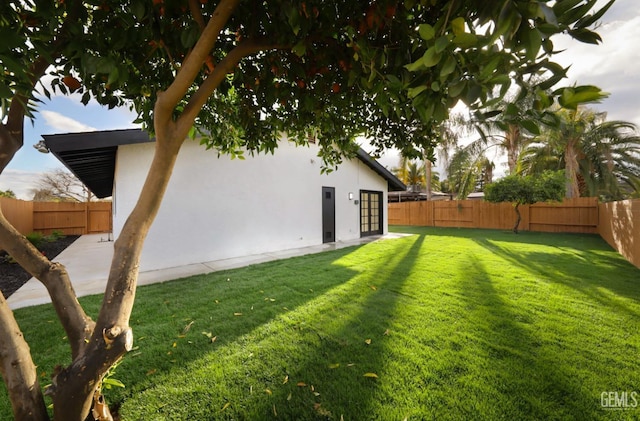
x=370, y=213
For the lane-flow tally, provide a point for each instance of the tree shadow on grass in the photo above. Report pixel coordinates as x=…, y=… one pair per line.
x=315, y=365
x=356, y=347
x=584, y=262
x=522, y=378
x=587, y=271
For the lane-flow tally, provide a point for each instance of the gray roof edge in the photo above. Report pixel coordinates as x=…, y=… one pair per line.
x=394, y=184
x=94, y=139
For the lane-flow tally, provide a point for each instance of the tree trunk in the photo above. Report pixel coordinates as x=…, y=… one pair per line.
x=18, y=370
x=571, y=169
x=513, y=141
x=518, y=218
x=427, y=175
x=74, y=388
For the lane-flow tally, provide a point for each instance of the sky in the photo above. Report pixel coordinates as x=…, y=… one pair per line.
x=612, y=65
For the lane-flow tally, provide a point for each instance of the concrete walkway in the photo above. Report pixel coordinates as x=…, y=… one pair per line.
x=89, y=257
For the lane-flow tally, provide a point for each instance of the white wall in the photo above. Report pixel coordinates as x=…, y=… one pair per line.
x=217, y=208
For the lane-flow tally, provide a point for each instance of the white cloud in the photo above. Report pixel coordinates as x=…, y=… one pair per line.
x=21, y=182
x=610, y=65
x=63, y=123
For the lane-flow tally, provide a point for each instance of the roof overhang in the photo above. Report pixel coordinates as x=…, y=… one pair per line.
x=91, y=156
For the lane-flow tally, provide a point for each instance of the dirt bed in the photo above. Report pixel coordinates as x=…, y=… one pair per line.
x=12, y=276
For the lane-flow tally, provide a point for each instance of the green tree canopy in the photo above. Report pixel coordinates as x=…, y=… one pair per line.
x=7, y=193
x=523, y=190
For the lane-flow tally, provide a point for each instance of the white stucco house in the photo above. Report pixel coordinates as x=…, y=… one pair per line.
x=217, y=208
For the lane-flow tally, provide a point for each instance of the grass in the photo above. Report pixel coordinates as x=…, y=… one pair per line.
x=448, y=324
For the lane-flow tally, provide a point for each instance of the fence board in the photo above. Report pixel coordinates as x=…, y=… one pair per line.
x=70, y=218
x=579, y=215
x=19, y=213
x=619, y=225
x=457, y=213
x=99, y=217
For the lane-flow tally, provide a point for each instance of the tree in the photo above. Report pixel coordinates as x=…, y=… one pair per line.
x=485, y=169
x=61, y=186
x=446, y=138
x=466, y=172
x=412, y=173
x=523, y=190
x=600, y=157
x=237, y=74
x=7, y=193
x=509, y=124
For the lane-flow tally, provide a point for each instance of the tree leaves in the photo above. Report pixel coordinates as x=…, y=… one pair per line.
x=527, y=189
x=426, y=31
x=574, y=96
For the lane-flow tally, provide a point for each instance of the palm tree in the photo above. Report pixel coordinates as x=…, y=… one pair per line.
x=415, y=176
x=600, y=158
x=507, y=126
x=446, y=134
x=462, y=173
x=445, y=137
x=411, y=173
x=485, y=169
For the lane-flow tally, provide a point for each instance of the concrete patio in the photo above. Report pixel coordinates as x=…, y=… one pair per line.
x=88, y=260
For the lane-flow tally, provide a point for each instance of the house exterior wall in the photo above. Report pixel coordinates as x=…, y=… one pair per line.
x=217, y=208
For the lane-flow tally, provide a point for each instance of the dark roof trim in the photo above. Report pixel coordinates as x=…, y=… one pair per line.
x=394, y=184
x=91, y=156
x=92, y=140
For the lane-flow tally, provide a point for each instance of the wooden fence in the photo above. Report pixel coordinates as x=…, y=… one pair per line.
x=618, y=223
x=68, y=218
x=620, y=227
x=19, y=213
x=575, y=215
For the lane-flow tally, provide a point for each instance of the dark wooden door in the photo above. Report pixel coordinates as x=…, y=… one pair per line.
x=328, y=214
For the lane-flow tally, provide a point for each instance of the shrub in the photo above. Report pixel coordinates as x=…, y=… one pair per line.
x=55, y=236
x=35, y=238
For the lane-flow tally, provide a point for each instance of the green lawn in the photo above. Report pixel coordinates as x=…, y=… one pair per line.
x=447, y=324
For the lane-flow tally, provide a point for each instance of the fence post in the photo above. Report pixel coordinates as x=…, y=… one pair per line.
x=526, y=218
x=432, y=214
x=85, y=230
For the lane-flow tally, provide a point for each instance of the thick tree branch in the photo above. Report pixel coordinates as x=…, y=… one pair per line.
x=224, y=67
x=77, y=325
x=192, y=65
x=194, y=8
x=18, y=370
x=74, y=387
x=12, y=134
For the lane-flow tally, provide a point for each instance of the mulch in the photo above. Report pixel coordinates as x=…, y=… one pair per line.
x=12, y=276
